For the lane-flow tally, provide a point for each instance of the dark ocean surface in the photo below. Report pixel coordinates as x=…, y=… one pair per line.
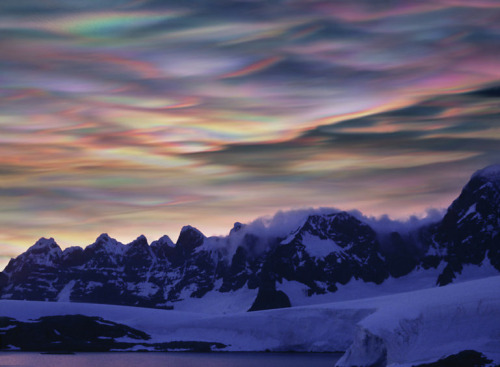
x=169, y=359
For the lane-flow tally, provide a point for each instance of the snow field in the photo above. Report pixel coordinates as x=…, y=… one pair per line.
x=411, y=327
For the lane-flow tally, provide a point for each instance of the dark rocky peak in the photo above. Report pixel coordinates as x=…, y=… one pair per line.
x=330, y=248
x=476, y=210
x=162, y=242
x=236, y=276
x=73, y=256
x=45, y=246
x=314, y=224
x=236, y=228
x=489, y=173
x=470, y=230
x=163, y=247
x=104, y=252
x=326, y=222
x=139, y=248
x=239, y=260
x=45, y=252
x=138, y=254
x=318, y=225
x=349, y=224
x=341, y=227
x=108, y=244
x=69, y=251
x=256, y=246
x=255, y=241
x=103, y=239
x=342, y=217
x=479, y=199
x=239, y=256
x=267, y=296
x=140, y=242
x=189, y=239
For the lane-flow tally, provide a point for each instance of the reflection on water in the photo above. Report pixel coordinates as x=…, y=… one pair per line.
x=169, y=359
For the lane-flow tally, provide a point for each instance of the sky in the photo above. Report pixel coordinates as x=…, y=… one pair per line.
x=140, y=117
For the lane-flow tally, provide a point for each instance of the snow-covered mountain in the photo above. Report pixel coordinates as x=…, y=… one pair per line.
x=319, y=260
x=469, y=233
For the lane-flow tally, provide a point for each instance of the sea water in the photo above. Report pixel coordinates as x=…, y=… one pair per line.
x=157, y=359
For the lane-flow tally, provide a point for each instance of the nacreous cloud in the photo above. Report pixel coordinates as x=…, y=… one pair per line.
x=142, y=116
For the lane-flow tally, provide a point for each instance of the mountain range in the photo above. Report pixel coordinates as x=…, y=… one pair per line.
x=260, y=269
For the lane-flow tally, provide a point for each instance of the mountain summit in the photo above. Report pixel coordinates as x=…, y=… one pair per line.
x=469, y=233
x=325, y=254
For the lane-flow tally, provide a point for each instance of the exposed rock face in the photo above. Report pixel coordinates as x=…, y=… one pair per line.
x=35, y=271
x=330, y=249
x=79, y=333
x=464, y=358
x=470, y=231
x=3, y=281
x=325, y=251
x=402, y=253
x=268, y=297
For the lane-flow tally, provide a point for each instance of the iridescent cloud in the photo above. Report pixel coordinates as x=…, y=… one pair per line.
x=141, y=116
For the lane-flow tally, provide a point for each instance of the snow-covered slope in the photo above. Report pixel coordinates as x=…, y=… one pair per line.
x=403, y=329
x=426, y=325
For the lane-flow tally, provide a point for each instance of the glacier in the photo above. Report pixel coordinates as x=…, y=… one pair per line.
x=401, y=329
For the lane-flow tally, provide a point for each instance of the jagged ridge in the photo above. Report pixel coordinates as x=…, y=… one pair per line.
x=325, y=251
